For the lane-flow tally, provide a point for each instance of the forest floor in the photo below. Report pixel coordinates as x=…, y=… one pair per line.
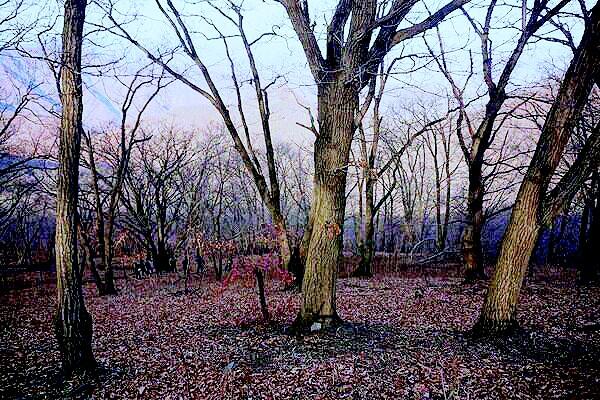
x=406, y=338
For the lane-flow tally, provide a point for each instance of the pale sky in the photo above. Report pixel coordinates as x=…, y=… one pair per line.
x=276, y=55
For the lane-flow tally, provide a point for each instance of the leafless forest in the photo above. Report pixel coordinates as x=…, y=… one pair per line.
x=300, y=199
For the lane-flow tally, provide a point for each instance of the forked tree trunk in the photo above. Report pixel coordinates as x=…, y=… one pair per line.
x=533, y=206
x=337, y=105
x=471, y=242
x=89, y=259
x=104, y=246
x=353, y=54
x=73, y=323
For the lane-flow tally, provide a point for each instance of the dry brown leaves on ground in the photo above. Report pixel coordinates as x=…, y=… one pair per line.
x=405, y=338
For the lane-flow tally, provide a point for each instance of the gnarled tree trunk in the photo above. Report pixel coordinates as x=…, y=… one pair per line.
x=73, y=322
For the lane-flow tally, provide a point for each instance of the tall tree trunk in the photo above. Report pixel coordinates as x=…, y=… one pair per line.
x=533, y=207
x=73, y=323
x=337, y=105
x=446, y=222
x=471, y=242
x=367, y=249
x=260, y=283
x=104, y=243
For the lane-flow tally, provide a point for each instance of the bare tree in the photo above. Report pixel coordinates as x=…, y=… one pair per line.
x=18, y=102
x=107, y=185
x=535, y=206
x=375, y=164
x=267, y=184
x=73, y=322
x=359, y=35
x=483, y=133
x=154, y=192
x=13, y=29
x=439, y=145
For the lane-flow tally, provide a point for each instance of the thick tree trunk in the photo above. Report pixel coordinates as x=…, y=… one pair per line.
x=161, y=263
x=73, y=322
x=498, y=314
x=337, y=105
x=533, y=206
x=471, y=241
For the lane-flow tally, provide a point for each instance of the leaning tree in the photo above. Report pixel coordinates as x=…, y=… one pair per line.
x=481, y=132
x=537, y=205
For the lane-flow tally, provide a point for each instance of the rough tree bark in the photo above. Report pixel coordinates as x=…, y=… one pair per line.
x=352, y=59
x=73, y=322
x=534, y=207
x=472, y=250
x=332, y=151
